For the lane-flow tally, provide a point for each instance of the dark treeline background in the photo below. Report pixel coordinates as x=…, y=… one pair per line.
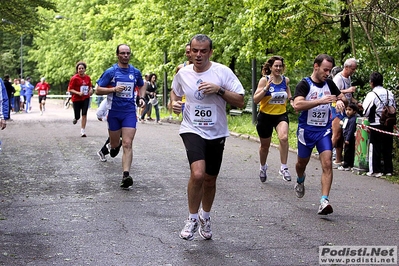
x=48, y=37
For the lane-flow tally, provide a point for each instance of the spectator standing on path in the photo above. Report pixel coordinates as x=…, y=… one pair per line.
x=349, y=128
x=381, y=144
x=314, y=96
x=208, y=86
x=10, y=94
x=148, y=106
x=118, y=82
x=272, y=93
x=81, y=89
x=151, y=93
x=42, y=90
x=4, y=105
x=344, y=83
x=17, y=96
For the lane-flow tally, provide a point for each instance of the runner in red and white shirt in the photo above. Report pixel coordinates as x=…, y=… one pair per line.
x=42, y=89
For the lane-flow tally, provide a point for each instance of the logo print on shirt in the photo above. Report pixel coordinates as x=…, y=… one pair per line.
x=199, y=95
x=131, y=77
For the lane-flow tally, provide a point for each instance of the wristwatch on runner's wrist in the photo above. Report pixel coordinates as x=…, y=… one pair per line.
x=221, y=91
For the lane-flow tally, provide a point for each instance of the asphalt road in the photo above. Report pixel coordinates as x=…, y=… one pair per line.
x=59, y=205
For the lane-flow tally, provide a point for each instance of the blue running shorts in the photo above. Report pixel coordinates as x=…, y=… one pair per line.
x=307, y=140
x=117, y=120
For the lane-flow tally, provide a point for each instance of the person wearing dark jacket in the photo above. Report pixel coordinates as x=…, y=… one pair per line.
x=349, y=129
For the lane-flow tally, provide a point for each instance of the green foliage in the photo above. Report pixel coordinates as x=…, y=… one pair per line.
x=241, y=30
x=22, y=17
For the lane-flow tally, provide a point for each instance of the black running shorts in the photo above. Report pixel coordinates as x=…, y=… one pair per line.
x=211, y=151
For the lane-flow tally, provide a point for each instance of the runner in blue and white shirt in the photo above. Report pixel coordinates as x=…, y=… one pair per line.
x=118, y=83
x=314, y=97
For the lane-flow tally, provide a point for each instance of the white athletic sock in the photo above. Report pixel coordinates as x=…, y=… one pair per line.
x=205, y=214
x=193, y=216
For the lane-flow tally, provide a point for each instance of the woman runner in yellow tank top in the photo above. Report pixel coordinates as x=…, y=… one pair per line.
x=272, y=93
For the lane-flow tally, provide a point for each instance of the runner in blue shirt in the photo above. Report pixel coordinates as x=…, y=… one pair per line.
x=118, y=83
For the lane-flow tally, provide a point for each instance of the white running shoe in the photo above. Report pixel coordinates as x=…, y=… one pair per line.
x=335, y=165
x=285, y=173
x=205, y=230
x=374, y=174
x=325, y=208
x=187, y=233
x=342, y=168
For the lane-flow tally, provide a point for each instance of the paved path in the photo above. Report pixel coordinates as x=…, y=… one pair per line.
x=60, y=206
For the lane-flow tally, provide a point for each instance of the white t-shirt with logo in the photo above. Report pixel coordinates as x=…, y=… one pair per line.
x=205, y=114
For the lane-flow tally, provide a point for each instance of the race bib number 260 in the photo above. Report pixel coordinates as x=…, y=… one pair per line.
x=204, y=115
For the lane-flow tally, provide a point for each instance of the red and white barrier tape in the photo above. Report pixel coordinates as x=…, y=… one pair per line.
x=379, y=130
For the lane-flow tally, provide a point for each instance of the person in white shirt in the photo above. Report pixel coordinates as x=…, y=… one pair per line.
x=381, y=144
x=207, y=87
x=344, y=84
